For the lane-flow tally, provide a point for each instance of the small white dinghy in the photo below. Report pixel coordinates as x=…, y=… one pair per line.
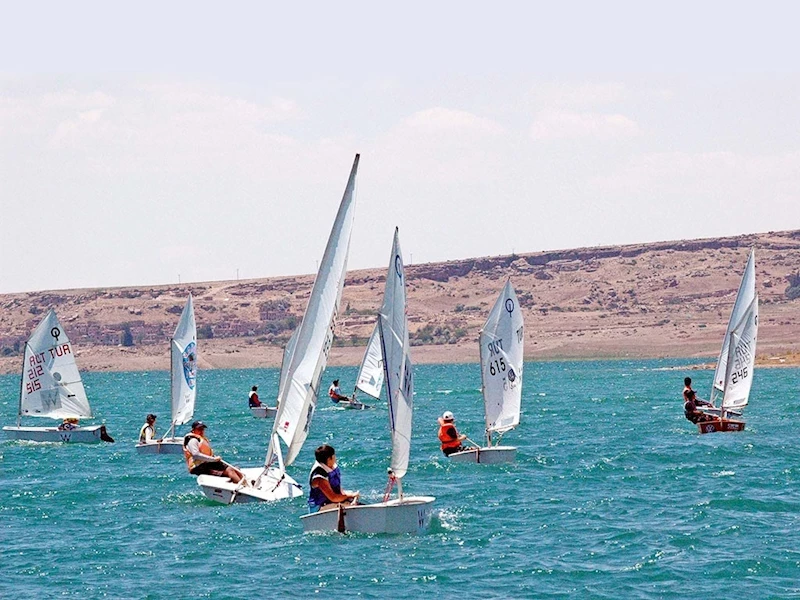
x=370, y=374
x=501, y=346
x=183, y=383
x=304, y=360
x=733, y=376
x=263, y=412
x=269, y=412
x=404, y=514
x=51, y=387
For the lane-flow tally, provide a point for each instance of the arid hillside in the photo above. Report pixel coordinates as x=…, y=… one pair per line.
x=648, y=300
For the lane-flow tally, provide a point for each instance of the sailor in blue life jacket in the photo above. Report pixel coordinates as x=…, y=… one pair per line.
x=325, y=482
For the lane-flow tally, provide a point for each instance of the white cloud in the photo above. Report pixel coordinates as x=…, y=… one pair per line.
x=556, y=125
x=447, y=120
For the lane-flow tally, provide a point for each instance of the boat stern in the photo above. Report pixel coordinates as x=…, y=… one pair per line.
x=720, y=425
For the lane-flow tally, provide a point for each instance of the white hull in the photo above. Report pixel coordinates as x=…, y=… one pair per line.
x=222, y=489
x=166, y=446
x=354, y=405
x=264, y=412
x=411, y=514
x=81, y=435
x=490, y=455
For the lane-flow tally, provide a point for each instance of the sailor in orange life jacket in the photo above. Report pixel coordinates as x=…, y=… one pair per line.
x=448, y=434
x=200, y=458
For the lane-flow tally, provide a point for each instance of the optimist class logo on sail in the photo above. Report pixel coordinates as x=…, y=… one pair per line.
x=190, y=364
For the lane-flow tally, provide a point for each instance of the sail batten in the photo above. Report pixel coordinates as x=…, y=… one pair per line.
x=308, y=356
x=501, y=351
x=51, y=383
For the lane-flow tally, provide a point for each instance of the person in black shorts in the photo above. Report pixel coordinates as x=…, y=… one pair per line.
x=200, y=458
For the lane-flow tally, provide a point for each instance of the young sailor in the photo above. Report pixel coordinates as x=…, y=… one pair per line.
x=448, y=434
x=335, y=393
x=690, y=394
x=690, y=410
x=325, y=482
x=147, y=434
x=253, y=400
x=200, y=458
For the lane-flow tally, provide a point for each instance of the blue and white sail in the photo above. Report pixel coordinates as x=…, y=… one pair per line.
x=183, y=352
x=393, y=328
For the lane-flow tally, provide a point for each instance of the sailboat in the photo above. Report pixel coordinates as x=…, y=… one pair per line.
x=183, y=383
x=51, y=387
x=370, y=373
x=733, y=376
x=304, y=360
x=403, y=514
x=501, y=347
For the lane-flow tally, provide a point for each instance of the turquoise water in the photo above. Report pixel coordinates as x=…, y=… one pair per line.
x=613, y=495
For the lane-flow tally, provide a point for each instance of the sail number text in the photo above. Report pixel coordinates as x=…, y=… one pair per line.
x=739, y=375
x=36, y=366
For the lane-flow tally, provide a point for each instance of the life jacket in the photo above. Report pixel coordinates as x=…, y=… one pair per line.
x=689, y=410
x=143, y=433
x=253, y=399
x=205, y=448
x=444, y=437
x=316, y=497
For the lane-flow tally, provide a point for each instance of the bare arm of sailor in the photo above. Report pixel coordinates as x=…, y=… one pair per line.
x=194, y=449
x=323, y=484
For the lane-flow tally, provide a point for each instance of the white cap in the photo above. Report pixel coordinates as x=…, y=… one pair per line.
x=448, y=416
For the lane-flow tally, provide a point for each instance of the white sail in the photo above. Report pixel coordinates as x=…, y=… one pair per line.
x=298, y=398
x=183, y=350
x=393, y=327
x=733, y=376
x=51, y=384
x=288, y=353
x=370, y=375
x=501, y=343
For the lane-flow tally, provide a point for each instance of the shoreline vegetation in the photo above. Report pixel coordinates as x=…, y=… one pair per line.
x=640, y=301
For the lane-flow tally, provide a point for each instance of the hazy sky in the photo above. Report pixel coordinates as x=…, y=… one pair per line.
x=156, y=140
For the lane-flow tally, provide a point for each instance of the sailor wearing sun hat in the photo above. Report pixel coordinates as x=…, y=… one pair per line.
x=448, y=434
x=200, y=458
